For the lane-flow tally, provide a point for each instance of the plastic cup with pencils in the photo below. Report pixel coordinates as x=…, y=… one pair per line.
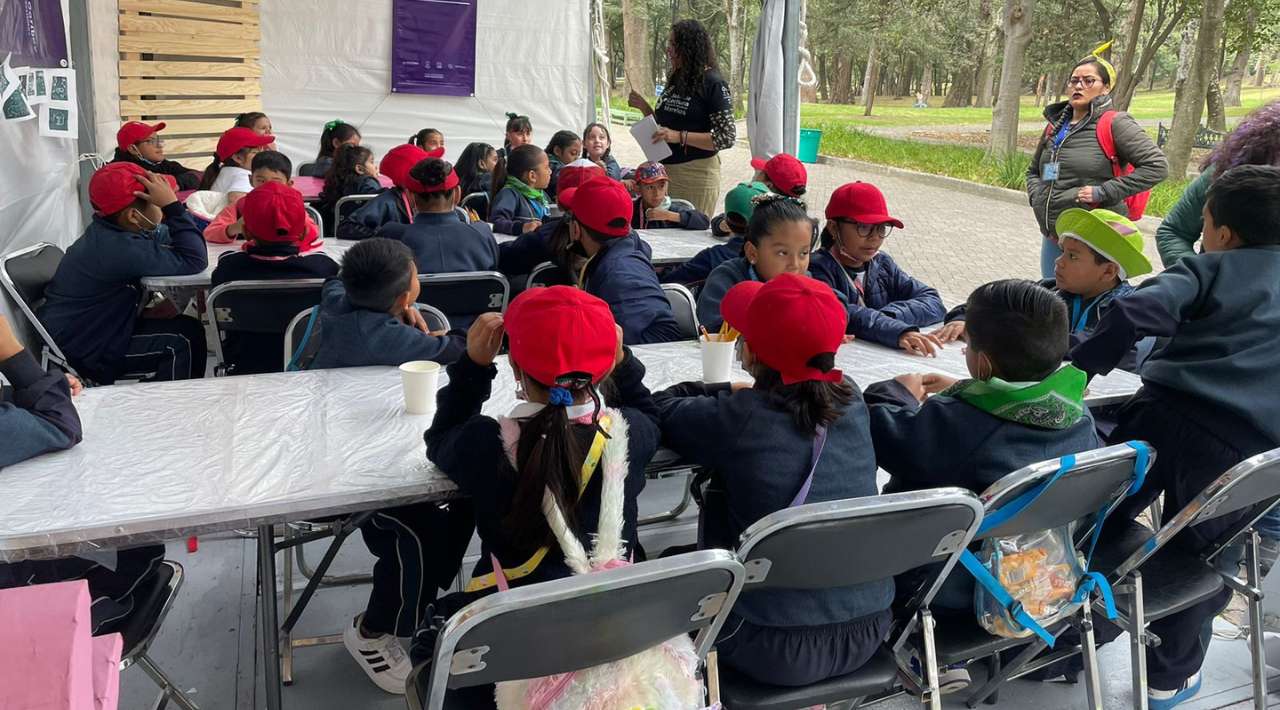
x=717, y=354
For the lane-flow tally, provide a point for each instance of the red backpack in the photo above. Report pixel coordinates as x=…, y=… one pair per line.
x=1137, y=204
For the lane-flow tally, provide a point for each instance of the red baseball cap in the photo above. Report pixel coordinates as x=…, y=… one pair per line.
x=784, y=171
x=273, y=212
x=600, y=203
x=860, y=202
x=412, y=185
x=560, y=330
x=135, y=132
x=573, y=175
x=398, y=161
x=787, y=322
x=236, y=139
x=111, y=188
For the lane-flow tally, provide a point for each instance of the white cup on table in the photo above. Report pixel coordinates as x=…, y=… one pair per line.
x=717, y=358
x=420, y=378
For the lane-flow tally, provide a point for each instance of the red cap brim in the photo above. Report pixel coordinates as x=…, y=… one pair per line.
x=736, y=303
x=758, y=163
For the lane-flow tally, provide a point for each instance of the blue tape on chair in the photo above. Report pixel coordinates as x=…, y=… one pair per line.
x=1017, y=505
x=1091, y=581
x=997, y=590
x=1139, y=465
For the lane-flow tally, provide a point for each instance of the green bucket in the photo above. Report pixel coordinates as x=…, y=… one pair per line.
x=807, y=151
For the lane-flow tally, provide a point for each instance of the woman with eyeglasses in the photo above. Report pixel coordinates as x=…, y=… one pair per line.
x=141, y=144
x=886, y=305
x=1070, y=167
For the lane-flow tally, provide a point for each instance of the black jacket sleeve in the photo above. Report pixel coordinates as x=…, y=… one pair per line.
x=40, y=417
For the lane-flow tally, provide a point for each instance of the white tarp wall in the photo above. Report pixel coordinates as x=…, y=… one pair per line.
x=327, y=59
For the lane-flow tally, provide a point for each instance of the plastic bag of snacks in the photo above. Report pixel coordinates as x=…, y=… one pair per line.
x=1040, y=570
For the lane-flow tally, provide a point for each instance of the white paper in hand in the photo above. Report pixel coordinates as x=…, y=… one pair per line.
x=643, y=131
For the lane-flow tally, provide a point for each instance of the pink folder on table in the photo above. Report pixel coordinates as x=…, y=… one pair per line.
x=47, y=651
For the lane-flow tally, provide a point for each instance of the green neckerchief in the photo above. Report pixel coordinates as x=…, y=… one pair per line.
x=1056, y=402
x=531, y=193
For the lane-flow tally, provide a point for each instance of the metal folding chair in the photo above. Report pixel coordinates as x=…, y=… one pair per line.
x=463, y=296
x=477, y=202
x=843, y=543
x=1097, y=482
x=547, y=274
x=556, y=627
x=152, y=605
x=25, y=274
x=349, y=199
x=315, y=216
x=258, y=306
x=685, y=308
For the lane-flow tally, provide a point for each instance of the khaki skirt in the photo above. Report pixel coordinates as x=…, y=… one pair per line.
x=697, y=181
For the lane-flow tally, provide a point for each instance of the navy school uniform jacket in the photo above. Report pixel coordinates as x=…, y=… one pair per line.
x=351, y=336
x=1220, y=313
x=1084, y=316
x=521, y=255
x=690, y=218
x=468, y=447
x=93, y=301
x=441, y=243
x=722, y=278
x=763, y=458
x=621, y=275
x=389, y=207
x=699, y=268
x=362, y=185
x=36, y=414
x=186, y=178
x=253, y=353
x=509, y=212
x=890, y=304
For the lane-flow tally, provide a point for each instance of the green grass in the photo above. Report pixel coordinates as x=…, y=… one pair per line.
x=957, y=161
x=898, y=112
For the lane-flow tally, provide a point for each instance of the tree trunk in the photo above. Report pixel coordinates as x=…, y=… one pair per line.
x=1189, y=106
x=1104, y=23
x=961, y=90
x=733, y=23
x=926, y=83
x=1239, y=66
x=1163, y=26
x=840, y=92
x=1132, y=30
x=1216, y=113
x=1260, y=70
x=637, y=63
x=871, y=77
x=1017, y=35
x=1186, y=55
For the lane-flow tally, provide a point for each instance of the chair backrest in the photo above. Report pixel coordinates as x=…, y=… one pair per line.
x=683, y=204
x=463, y=296
x=1252, y=483
x=308, y=170
x=25, y=274
x=296, y=336
x=316, y=217
x=1098, y=479
x=435, y=318
x=581, y=621
x=548, y=274
x=151, y=606
x=349, y=199
x=259, y=306
x=684, y=307
x=477, y=202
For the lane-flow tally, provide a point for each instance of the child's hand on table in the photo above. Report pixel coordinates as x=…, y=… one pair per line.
x=922, y=344
x=484, y=339
x=914, y=383
x=530, y=226
x=657, y=214
x=950, y=332
x=935, y=382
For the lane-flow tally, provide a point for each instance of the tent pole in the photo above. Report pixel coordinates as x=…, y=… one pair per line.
x=791, y=77
x=79, y=53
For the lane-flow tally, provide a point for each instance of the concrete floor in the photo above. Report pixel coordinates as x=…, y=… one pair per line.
x=209, y=647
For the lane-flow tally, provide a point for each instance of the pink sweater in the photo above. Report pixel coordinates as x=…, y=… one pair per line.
x=216, y=232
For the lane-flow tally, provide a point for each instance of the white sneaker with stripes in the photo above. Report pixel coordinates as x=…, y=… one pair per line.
x=383, y=658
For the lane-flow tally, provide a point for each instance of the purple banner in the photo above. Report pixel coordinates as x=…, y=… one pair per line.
x=433, y=47
x=32, y=30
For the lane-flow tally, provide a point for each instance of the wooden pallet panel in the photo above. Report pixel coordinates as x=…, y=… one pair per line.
x=187, y=107
x=248, y=69
x=150, y=24
x=199, y=10
x=190, y=146
x=195, y=126
x=188, y=45
x=189, y=87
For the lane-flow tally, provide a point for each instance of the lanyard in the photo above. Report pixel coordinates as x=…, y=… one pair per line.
x=1061, y=136
x=1080, y=316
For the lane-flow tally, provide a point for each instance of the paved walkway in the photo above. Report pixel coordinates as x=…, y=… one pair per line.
x=953, y=240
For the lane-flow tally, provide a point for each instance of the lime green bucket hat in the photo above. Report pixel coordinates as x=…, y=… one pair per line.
x=739, y=200
x=1112, y=235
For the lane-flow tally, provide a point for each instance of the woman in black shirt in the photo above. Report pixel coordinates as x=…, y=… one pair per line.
x=695, y=116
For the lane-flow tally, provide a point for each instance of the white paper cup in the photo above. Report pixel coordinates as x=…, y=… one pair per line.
x=420, y=378
x=717, y=359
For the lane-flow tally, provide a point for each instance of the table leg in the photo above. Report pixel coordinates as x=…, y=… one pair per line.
x=270, y=626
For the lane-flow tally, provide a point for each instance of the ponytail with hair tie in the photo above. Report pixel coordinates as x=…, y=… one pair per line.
x=334, y=124
x=560, y=397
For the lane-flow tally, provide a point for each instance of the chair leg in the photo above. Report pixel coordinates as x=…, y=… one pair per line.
x=1256, y=651
x=1090, y=652
x=166, y=686
x=286, y=633
x=713, y=678
x=932, y=695
x=325, y=580
x=673, y=513
x=993, y=670
x=1003, y=672
x=317, y=577
x=1137, y=645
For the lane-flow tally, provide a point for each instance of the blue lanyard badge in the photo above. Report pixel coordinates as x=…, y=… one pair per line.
x=1079, y=316
x=1061, y=135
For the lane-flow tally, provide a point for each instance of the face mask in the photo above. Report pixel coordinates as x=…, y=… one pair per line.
x=665, y=204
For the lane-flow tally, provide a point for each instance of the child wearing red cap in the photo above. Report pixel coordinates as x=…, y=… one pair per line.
x=562, y=439
x=782, y=173
x=798, y=435
x=140, y=144
x=520, y=179
x=654, y=208
x=92, y=304
x=268, y=166
x=229, y=172
x=779, y=239
x=393, y=205
x=886, y=306
x=617, y=267
x=279, y=244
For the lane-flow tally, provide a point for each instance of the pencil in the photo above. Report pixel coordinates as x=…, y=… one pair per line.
x=705, y=335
